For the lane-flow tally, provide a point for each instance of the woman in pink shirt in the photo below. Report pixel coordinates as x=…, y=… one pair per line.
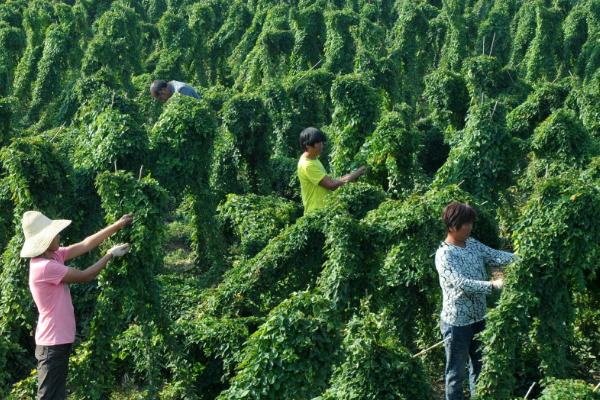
x=49, y=280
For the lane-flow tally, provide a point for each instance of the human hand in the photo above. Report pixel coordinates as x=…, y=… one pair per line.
x=125, y=220
x=498, y=283
x=360, y=170
x=119, y=250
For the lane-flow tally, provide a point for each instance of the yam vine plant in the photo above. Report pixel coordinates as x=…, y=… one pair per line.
x=300, y=336
x=254, y=220
x=246, y=118
x=573, y=389
x=34, y=173
x=537, y=302
x=356, y=109
x=391, y=152
x=181, y=142
x=483, y=159
x=230, y=291
x=387, y=369
x=128, y=317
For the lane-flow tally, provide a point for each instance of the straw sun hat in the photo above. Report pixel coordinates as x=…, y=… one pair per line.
x=39, y=232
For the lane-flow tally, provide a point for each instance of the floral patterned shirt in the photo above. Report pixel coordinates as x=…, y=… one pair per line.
x=464, y=279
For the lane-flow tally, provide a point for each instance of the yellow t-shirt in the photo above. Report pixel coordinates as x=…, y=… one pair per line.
x=310, y=173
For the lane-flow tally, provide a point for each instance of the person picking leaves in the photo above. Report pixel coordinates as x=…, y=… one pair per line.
x=460, y=261
x=49, y=280
x=315, y=183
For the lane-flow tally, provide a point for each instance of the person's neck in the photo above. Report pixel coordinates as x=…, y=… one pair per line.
x=452, y=240
x=310, y=155
x=47, y=254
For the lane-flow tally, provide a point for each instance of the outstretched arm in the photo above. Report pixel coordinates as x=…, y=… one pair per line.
x=93, y=241
x=495, y=258
x=75, y=275
x=333, y=184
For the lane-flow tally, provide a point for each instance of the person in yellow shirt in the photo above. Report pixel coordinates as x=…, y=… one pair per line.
x=315, y=184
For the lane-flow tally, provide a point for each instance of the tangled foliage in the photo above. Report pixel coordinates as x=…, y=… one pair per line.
x=539, y=105
x=538, y=294
x=586, y=101
x=391, y=152
x=60, y=53
x=562, y=137
x=245, y=117
x=490, y=103
x=6, y=114
x=12, y=40
x=355, y=113
x=447, y=97
x=308, y=26
x=36, y=176
x=254, y=286
x=309, y=105
x=254, y=219
x=111, y=138
x=339, y=44
x=541, y=58
x=116, y=43
x=128, y=317
x=186, y=127
x=371, y=342
x=299, y=336
x=177, y=43
x=483, y=160
x=269, y=58
x=181, y=142
x=568, y=388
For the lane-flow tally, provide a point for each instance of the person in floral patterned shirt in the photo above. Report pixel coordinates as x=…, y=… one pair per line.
x=460, y=262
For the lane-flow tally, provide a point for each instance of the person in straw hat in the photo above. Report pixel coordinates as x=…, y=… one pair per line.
x=49, y=280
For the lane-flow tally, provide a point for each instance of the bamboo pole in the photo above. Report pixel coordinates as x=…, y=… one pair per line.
x=310, y=69
x=492, y=46
x=431, y=347
x=529, y=391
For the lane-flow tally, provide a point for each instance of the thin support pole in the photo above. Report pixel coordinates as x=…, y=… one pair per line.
x=529, y=391
x=431, y=347
x=492, y=46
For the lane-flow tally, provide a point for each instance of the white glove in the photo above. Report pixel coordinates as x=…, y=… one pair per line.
x=498, y=284
x=119, y=250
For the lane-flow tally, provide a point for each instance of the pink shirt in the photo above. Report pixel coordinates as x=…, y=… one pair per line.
x=56, y=323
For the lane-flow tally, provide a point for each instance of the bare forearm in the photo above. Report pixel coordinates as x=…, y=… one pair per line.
x=333, y=184
x=93, y=241
x=90, y=273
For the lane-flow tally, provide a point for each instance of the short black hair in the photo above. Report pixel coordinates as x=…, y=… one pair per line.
x=457, y=214
x=310, y=136
x=157, y=86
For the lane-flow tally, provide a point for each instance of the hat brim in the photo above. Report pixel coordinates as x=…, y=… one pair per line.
x=36, y=245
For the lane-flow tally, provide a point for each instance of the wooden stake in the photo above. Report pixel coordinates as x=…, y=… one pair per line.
x=494, y=110
x=141, y=170
x=115, y=166
x=492, y=46
x=529, y=391
x=310, y=69
x=431, y=347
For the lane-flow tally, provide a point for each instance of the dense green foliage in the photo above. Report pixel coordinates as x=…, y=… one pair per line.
x=230, y=292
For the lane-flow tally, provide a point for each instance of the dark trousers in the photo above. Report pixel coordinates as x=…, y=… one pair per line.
x=461, y=348
x=53, y=364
